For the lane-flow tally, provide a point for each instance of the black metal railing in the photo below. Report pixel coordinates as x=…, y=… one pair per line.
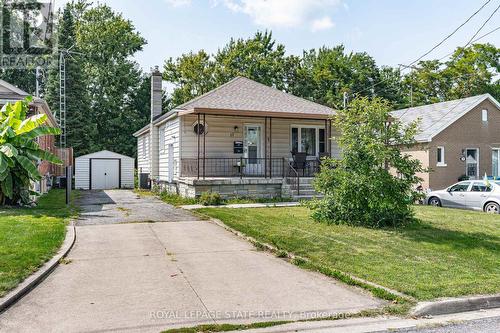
x=233, y=167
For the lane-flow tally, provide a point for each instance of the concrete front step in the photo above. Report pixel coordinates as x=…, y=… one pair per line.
x=308, y=191
x=306, y=197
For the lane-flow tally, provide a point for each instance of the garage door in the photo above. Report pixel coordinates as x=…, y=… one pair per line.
x=105, y=174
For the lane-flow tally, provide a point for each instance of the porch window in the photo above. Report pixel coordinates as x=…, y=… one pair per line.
x=295, y=139
x=308, y=139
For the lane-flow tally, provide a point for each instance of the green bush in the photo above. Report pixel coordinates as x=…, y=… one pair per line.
x=19, y=151
x=374, y=183
x=210, y=199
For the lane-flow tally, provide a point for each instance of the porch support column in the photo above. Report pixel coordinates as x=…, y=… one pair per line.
x=198, y=149
x=270, y=147
x=204, y=141
x=327, y=140
x=330, y=137
x=265, y=147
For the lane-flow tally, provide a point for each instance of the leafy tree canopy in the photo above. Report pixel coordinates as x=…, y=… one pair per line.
x=373, y=184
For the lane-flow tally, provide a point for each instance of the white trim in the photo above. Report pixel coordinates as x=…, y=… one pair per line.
x=498, y=161
x=262, y=140
x=484, y=115
x=299, y=127
x=442, y=155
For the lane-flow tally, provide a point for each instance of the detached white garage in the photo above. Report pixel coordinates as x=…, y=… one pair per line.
x=104, y=170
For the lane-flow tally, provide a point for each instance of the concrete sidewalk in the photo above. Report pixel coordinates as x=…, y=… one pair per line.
x=248, y=205
x=145, y=277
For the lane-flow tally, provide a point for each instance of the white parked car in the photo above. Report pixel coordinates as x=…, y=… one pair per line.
x=469, y=194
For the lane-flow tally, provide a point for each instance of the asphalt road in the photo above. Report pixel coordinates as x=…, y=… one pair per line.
x=486, y=325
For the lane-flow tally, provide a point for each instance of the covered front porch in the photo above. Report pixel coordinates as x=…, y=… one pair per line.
x=240, y=146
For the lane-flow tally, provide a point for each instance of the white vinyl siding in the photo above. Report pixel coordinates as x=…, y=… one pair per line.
x=142, y=153
x=222, y=133
x=82, y=170
x=170, y=132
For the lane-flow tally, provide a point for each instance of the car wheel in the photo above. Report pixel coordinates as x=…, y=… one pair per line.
x=434, y=201
x=492, y=208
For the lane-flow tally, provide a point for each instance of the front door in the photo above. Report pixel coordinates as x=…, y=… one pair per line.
x=472, y=163
x=252, y=150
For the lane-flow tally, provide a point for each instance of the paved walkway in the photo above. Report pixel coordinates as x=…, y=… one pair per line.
x=145, y=277
x=247, y=205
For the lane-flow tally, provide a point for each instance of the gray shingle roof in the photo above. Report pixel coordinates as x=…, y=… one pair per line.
x=434, y=118
x=247, y=95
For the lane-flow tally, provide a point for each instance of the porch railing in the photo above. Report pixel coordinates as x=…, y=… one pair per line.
x=279, y=167
x=233, y=167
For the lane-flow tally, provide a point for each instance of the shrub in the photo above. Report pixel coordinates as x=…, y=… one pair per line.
x=374, y=183
x=20, y=153
x=210, y=199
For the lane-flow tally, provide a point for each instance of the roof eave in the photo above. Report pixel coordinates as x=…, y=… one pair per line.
x=255, y=113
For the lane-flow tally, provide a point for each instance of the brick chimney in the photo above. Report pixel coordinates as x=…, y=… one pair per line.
x=156, y=93
x=156, y=110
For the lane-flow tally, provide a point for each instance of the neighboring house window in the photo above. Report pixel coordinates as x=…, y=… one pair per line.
x=484, y=115
x=495, y=159
x=162, y=138
x=308, y=139
x=440, y=156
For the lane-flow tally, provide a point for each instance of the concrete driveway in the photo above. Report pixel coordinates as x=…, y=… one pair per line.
x=146, y=277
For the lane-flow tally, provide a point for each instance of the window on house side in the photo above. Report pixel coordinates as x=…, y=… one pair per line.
x=484, y=115
x=440, y=156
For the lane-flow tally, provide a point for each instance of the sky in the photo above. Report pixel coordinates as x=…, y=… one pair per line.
x=392, y=31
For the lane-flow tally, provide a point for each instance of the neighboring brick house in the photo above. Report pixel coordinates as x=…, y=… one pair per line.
x=11, y=94
x=457, y=138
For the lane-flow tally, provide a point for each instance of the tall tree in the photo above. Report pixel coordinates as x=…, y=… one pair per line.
x=259, y=58
x=80, y=129
x=192, y=75
x=468, y=72
x=109, y=41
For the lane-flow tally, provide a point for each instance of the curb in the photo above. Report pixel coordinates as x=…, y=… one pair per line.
x=454, y=305
x=34, y=279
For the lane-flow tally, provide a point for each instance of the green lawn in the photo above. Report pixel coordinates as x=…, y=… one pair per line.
x=446, y=253
x=31, y=236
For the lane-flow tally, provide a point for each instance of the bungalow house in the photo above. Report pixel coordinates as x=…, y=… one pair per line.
x=11, y=94
x=240, y=139
x=457, y=139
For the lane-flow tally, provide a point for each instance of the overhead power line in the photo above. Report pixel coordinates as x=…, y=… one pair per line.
x=454, y=31
x=475, y=40
x=403, y=67
x=481, y=27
